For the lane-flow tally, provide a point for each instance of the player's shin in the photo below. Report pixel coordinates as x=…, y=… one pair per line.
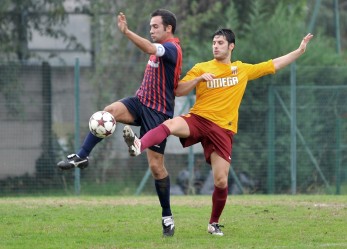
x=154, y=136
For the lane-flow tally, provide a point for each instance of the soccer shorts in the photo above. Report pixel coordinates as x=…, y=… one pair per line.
x=211, y=136
x=146, y=118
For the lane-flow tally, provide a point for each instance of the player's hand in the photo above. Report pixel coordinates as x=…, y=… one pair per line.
x=122, y=23
x=304, y=42
x=207, y=77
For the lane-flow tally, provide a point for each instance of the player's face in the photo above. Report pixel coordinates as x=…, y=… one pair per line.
x=158, y=32
x=221, y=49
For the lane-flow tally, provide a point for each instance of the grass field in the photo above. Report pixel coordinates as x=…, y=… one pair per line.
x=251, y=221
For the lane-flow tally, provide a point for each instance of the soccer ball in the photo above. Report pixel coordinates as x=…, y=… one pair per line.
x=102, y=124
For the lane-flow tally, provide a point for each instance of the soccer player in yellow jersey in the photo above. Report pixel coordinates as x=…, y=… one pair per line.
x=212, y=121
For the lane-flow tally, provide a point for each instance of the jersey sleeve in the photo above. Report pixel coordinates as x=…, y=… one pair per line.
x=170, y=52
x=192, y=74
x=255, y=71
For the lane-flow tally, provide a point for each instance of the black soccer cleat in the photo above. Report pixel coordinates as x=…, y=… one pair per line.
x=73, y=161
x=168, y=226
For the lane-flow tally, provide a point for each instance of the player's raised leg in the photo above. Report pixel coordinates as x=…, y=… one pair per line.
x=176, y=126
x=101, y=125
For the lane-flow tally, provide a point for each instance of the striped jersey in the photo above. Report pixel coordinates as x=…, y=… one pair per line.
x=161, y=76
x=219, y=100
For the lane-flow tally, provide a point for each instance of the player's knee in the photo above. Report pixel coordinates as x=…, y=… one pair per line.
x=158, y=171
x=113, y=110
x=170, y=123
x=221, y=182
x=108, y=109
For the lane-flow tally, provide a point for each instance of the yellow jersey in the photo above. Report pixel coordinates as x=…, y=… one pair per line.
x=219, y=100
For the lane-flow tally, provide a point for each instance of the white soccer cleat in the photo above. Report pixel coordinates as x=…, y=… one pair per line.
x=214, y=229
x=133, y=142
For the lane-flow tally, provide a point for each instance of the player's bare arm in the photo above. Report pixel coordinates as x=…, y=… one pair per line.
x=285, y=60
x=184, y=88
x=142, y=43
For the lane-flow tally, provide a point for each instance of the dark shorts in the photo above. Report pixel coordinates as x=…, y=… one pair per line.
x=211, y=136
x=146, y=118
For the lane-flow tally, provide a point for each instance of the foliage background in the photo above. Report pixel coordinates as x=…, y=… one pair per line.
x=264, y=30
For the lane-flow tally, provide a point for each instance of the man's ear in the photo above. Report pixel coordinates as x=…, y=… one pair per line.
x=231, y=46
x=169, y=28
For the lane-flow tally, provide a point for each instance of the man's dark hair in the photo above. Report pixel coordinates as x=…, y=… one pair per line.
x=227, y=33
x=168, y=17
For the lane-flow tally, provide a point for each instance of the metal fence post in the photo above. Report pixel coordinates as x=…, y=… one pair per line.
x=338, y=156
x=271, y=142
x=77, y=123
x=293, y=126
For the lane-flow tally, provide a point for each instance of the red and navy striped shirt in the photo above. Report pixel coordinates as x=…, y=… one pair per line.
x=157, y=90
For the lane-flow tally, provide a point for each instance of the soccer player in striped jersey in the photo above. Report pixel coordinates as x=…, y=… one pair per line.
x=212, y=121
x=152, y=104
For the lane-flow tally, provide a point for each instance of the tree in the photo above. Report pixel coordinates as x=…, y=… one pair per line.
x=20, y=18
x=268, y=34
x=325, y=19
x=264, y=30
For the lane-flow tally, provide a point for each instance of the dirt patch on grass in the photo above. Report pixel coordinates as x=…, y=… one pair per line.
x=191, y=201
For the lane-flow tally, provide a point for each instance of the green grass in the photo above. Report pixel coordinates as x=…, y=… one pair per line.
x=250, y=221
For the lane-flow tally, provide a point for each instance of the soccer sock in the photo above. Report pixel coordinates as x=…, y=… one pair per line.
x=163, y=190
x=219, y=198
x=88, y=145
x=154, y=136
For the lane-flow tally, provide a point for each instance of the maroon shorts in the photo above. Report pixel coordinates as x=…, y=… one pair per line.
x=211, y=136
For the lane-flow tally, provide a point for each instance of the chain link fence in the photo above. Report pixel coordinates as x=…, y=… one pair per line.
x=37, y=121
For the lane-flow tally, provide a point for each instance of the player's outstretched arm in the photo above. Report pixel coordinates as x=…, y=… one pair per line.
x=142, y=43
x=285, y=60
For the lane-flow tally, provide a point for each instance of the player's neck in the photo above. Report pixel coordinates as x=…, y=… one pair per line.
x=224, y=61
x=170, y=39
